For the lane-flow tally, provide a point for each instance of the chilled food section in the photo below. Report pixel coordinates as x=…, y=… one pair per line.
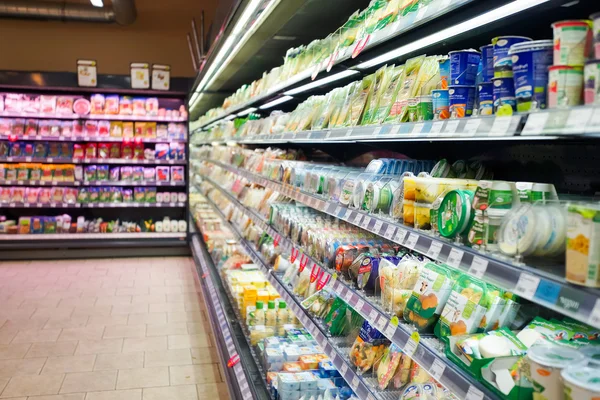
x=104, y=155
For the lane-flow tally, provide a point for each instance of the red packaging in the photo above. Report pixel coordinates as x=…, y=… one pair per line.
x=78, y=151
x=138, y=151
x=103, y=150
x=127, y=151
x=91, y=128
x=91, y=150
x=115, y=151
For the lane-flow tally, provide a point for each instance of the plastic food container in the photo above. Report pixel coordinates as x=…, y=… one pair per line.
x=409, y=187
x=486, y=98
x=441, y=104
x=565, y=86
x=462, y=99
x=552, y=226
x=425, y=108
x=463, y=67
x=487, y=60
x=422, y=216
x=502, y=195
x=596, y=33
x=581, y=382
x=591, y=92
x=504, y=93
x=518, y=233
x=530, y=69
x=572, y=42
x=444, y=72
x=428, y=189
x=455, y=213
x=546, y=363
x=502, y=60
x=583, y=265
x=408, y=213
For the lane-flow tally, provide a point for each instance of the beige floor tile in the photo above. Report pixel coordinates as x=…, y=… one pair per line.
x=63, y=364
x=89, y=381
x=85, y=333
x=33, y=385
x=150, y=318
x=86, y=301
x=167, y=307
x=53, y=312
x=36, y=336
x=7, y=334
x=129, y=309
x=113, y=301
x=3, y=383
x=92, y=311
x=73, y=396
x=12, y=351
x=133, y=345
x=143, y=377
x=190, y=374
x=213, y=391
x=166, y=358
x=188, y=341
x=119, y=361
x=197, y=327
x=149, y=299
x=102, y=346
x=173, y=328
x=26, y=323
x=133, y=291
x=51, y=349
x=29, y=366
x=185, y=316
x=125, y=331
x=205, y=355
x=183, y=392
x=62, y=323
x=109, y=320
x=43, y=302
x=132, y=394
x=172, y=289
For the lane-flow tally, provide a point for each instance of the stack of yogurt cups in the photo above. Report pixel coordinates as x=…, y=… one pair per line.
x=592, y=67
x=503, y=82
x=572, y=48
x=464, y=65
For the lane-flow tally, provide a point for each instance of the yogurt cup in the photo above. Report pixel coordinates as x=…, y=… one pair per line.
x=546, y=363
x=462, y=99
x=444, y=72
x=502, y=60
x=596, y=33
x=463, y=67
x=425, y=108
x=504, y=93
x=530, y=62
x=591, y=91
x=486, y=98
x=495, y=218
x=581, y=382
x=487, y=62
x=565, y=86
x=502, y=195
x=441, y=104
x=572, y=42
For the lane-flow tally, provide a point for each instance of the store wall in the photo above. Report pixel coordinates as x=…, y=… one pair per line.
x=157, y=36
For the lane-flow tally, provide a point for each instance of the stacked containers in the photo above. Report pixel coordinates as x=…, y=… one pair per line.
x=572, y=45
x=592, y=67
x=463, y=74
x=530, y=62
x=440, y=97
x=503, y=81
x=485, y=88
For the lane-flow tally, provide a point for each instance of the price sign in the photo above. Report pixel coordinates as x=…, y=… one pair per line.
x=389, y=232
x=373, y=315
x=436, y=128
x=455, y=257
x=595, y=315
x=421, y=14
x=472, y=126
x=410, y=347
x=535, y=123
x=365, y=222
x=377, y=226
x=354, y=383
x=357, y=219
x=344, y=369
x=394, y=131
x=381, y=323
x=527, y=285
x=338, y=210
x=359, y=305
x=434, y=250
x=412, y=241
x=347, y=214
x=501, y=125
x=390, y=330
x=474, y=394
x=400, y=235
x=594, y=124
x=478, y=267
x=451, y=126
x=437, y=369
x=26, y=205
x=349, y=132
x=418, y=128
x=578, y=119
x=377, y=131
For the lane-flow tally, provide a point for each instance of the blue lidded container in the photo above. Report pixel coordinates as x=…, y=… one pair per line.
x=462, y=98
x=502, y=61
x=463, y=67
x=504, y=93
x=441, y=104
x=530, y=62
x=487, y=61
x=486, y=98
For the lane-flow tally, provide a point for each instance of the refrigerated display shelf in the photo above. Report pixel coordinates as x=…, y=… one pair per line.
x=88, y=236
x=93, y=139
x=92, y=205
x=541, y=284
x=110, y=117
x=576, y=122
x=91, y=161
x=424, y=353
x=78, y=183
x=226, y=334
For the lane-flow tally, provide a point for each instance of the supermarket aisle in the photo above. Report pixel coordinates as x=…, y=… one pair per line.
x=111, y=329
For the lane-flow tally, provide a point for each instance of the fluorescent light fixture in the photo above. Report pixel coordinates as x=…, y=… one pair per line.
x=97, y=3
x=247, y=111
x=473, y=23
x=322, y=82
x=276, y=102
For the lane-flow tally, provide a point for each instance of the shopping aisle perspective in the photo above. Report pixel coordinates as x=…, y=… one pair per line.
x=106, y=329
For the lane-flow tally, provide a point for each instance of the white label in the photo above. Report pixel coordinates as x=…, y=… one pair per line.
x=437, y=369
x=26, y=205
x=535, y=123
x=418, y=128
x=101, y=205
x=389, y=232
x=365, y=222
x=436, y=128
x=595, y=315
x=412, y=240
x=472, y=126
x=359, y=305
x=357, y=218
x=373, y=315
x=377, y=226
x=578, y=119
x=594, y=124
x=347, y=214
x=455, y=257
x=349, y=132
x=411, y=347
x=377, y=131
x=344, y=369
x=434, y=250
x=395, y=129
x=421, y=14
x=390, y=330
x=400, y=235
x=527, y=285
x=478, y=267
x=380, y=323
x=338, y=209
x=12, y=205
x=355, y=382
x=348, y=296
x=501, y=125
x=474, y=394
x=451, y=126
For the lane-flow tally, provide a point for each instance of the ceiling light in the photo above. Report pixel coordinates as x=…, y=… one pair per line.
x=473, y=23
x=247, y=111
x=276, y=102
x=322, y=82
x=97, y=3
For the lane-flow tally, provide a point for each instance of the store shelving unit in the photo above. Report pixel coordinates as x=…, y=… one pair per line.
x=542, y=285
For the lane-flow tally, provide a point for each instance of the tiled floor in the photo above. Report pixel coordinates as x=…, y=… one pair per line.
x=111, y=329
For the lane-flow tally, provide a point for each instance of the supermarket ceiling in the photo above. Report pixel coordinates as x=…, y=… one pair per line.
x=158, y=35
